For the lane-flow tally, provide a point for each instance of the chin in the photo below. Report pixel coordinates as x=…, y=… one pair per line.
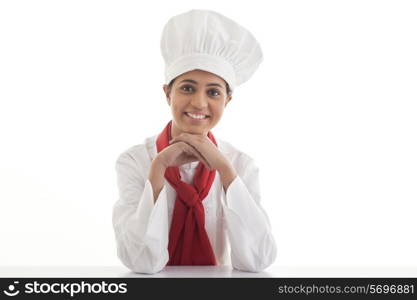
x=195, y=131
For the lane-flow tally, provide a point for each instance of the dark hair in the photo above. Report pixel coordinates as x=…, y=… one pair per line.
x=228, y=90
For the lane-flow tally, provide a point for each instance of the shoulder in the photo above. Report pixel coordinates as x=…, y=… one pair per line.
x=137, y=157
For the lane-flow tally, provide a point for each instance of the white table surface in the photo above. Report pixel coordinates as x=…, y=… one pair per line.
x=207, y=271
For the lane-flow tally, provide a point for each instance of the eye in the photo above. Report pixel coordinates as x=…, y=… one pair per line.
x=187, y=88
x=214, y=92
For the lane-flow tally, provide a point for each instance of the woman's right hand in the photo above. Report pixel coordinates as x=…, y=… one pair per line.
x=178, y=154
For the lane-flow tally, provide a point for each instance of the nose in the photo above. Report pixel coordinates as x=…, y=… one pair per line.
x=199, y=100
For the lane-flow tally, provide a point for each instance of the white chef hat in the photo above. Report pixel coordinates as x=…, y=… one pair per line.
x=207, y=40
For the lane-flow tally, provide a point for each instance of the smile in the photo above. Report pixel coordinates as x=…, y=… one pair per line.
x=196, y=116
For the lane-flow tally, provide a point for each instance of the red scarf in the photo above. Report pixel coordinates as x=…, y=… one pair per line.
x=188, y=240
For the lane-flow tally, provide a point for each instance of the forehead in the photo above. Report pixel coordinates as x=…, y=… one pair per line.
x=202, y=77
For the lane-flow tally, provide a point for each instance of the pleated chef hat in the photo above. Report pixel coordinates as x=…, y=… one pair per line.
x=207, y=40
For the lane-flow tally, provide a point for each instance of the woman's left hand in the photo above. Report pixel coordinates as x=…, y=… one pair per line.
x=205, y=147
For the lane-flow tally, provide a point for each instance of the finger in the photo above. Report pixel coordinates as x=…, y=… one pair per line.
x=190, y=139
x=189, y=158
x=200, y=158
x=186, y=137
x=197, y=154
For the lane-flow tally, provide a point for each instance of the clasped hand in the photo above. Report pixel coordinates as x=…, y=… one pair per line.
x=201, y=148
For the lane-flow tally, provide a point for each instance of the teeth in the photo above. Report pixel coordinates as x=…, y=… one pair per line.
x=196, y=116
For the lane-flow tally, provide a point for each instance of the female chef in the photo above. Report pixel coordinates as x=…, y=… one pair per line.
x=186, y=197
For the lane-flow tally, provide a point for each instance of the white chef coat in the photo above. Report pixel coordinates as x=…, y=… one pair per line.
x=237, y=226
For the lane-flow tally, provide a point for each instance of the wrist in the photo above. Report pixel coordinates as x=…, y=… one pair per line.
x=158, y=164
x=156, y=171
x=227, y=174
x=156, y=177
x=225, y=168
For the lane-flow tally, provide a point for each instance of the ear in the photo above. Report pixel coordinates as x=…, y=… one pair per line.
x=228, y=100
x=166, y=92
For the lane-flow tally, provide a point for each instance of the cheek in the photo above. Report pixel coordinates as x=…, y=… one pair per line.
x=176, y=106
x=218, y=111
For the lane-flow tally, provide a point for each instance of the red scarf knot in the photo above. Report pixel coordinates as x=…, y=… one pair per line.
x=188, y=240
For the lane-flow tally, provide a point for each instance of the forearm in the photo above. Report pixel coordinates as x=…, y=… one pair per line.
x=156, y=177
x=227, y=174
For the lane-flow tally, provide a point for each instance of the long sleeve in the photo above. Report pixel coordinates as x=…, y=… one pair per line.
x=253, y=247
x=140, y=225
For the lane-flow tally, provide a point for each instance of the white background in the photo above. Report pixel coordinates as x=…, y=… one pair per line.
x=329, y=117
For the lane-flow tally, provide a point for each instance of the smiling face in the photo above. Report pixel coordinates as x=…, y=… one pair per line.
x=197, y=100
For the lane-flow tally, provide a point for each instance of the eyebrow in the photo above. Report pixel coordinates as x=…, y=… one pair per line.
x=195, y=82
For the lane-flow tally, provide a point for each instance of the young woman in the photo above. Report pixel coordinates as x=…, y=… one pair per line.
x=186, y=197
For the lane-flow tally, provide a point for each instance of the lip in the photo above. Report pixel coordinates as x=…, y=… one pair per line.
x=197, y=113
x=196, y=120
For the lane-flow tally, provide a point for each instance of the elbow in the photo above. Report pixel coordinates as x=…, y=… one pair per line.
x=267, y=256
x=146, y=269
x=255, y=267
x=142, y=261
x=257, y=259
